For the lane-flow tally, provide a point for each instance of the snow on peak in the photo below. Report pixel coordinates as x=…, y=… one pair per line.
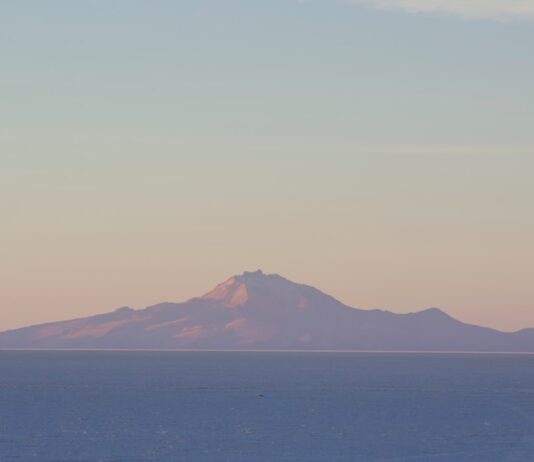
x=231, y=292
x=266, y=290
x=237, y=290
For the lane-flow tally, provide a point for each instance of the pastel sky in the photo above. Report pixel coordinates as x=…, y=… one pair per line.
x=381, y=150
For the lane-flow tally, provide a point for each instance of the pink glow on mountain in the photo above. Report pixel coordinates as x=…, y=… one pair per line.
x=231, y=293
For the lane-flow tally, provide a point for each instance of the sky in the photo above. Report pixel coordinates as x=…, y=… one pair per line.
x=380, y=150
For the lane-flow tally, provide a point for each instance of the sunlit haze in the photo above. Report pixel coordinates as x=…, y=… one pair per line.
x=381, y=151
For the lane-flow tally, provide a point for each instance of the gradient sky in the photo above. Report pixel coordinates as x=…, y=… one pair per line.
x=382, y=151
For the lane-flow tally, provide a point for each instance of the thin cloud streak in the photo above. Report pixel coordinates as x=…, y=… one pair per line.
x=472, y=9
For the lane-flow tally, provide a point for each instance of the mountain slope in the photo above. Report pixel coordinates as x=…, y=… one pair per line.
x=258, y=311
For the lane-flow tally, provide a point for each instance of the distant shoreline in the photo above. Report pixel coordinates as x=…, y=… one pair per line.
x=162, y=350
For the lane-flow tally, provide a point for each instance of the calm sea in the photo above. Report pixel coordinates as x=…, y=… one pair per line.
x=250, y=406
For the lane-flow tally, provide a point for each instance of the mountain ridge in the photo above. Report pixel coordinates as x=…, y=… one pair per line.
x=266, y=311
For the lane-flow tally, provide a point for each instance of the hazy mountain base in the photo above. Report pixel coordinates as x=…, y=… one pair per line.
x=258, y=311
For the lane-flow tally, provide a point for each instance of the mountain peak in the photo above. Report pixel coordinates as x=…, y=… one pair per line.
x=235, y=291
x=267, y=290
x=259, y=277
x=436, y=312
x=256, y=273
x=231, y=292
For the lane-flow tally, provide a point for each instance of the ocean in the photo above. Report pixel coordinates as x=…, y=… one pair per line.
x=76, y=406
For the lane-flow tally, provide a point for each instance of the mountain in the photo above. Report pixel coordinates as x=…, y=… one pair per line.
x=259, y=311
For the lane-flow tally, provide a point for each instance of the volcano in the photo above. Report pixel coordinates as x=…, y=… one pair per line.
x=266, y=312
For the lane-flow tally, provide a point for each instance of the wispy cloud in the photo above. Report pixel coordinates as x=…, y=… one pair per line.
x=474, y=9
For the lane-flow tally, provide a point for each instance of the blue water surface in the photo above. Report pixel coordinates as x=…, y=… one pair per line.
x=265, y=406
